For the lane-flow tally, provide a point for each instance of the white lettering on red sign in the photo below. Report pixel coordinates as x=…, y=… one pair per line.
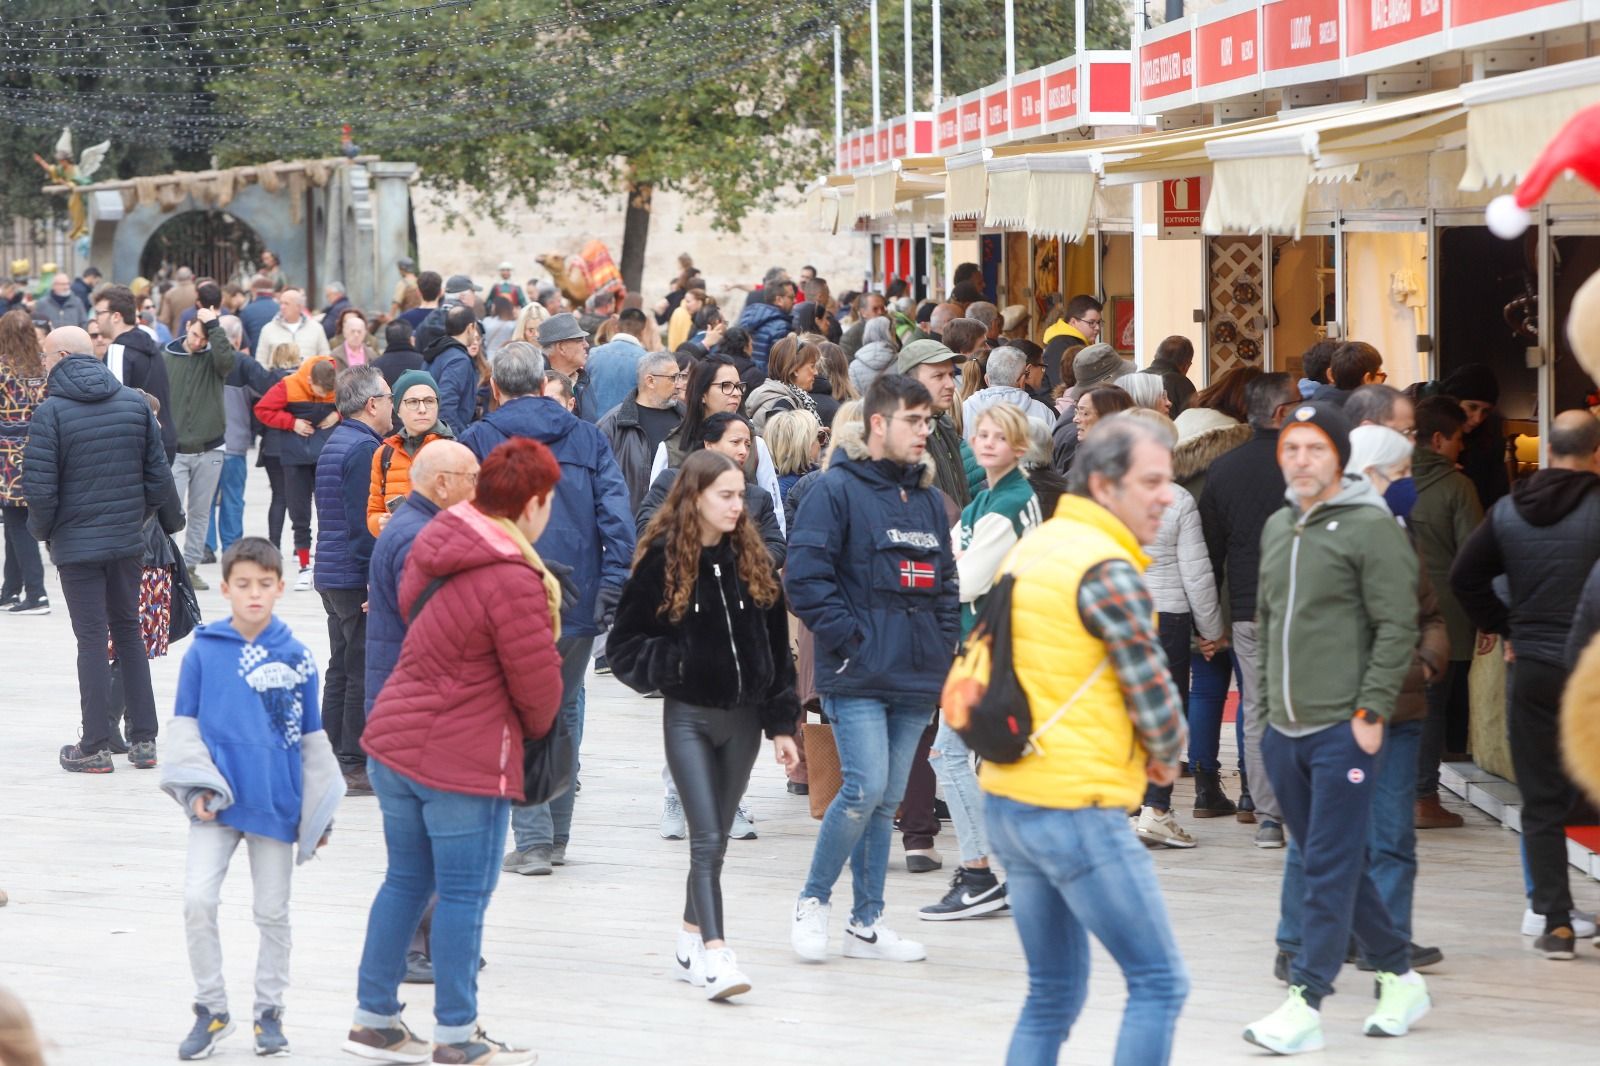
x=1247, y=50
x=1430, y=7
x=1299, y=32
x=997, y=114
x=1030, y=106
x=1059, y=97
x=1387, y=13
x=1328, y=32
x=1225, y=47
x=1162, y=69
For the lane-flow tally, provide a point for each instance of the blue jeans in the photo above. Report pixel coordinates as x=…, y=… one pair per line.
x=877, y=739
x=1072, y=874
x=1208, y=692
x=227, y=519
x=545, y=824
x=952, y=761
x=438, y=842
x=1391, y=840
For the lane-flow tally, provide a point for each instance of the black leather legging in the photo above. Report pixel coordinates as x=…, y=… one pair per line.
x=709, y=752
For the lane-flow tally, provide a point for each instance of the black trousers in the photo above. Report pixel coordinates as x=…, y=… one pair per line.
x=344, y=686
x=104, y=596
x=710, y=752
x=298, y=482
x=1445, y=728
x=279, y=503
x=1549, y=798
x=24, y=570
x=1176, y=630
x=918, y=822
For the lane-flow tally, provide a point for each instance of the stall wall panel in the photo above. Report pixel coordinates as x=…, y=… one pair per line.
x=1386, y=294
x=1169, y=292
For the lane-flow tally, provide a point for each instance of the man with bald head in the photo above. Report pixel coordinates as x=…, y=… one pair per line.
x=941, y=317
x=1544, y=538
x=93, y=468
x=293, y=326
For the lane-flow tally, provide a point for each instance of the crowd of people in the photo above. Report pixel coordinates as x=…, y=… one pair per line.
x=804, y=509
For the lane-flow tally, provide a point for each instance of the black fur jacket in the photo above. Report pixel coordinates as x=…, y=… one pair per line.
x=727, y=652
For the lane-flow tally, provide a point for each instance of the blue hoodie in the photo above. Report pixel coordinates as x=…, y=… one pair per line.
x=254, y=701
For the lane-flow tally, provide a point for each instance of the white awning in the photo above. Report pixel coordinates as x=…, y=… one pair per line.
x=966, y=186
x=1061, y=193
x=1512, y=117
x=1007, y=203
x=875, y=192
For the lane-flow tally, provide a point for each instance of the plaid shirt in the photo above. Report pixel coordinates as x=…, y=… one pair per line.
x=1116, y=607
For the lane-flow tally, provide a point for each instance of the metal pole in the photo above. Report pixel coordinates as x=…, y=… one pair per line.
x=838, y=92
x=1080, y=19
x=938, y=60
x=877, y=97
x=911, y=104
x=1011, y=39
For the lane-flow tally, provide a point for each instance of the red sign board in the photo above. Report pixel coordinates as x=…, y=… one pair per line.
x=1228, y=49
x=1027, y=107
x=1061, y=95
x=1183, y=202
x=1466, y=12
x=947, y=134
x=857, y=150
x=882, y=140
x=997, y=112
x=1375, y=24
x=1110, y=88
x=1301, y=32
x=897, y=139
x=971, y=120
x=869, y=147
x=1166, y=67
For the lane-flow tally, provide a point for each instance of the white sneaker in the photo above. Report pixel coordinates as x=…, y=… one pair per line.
x=809, y=932
x=1161, y=829
x=303, y=582
x=878, y=941
x=723, y=978
x=693, y=968
x=743, y=825
x=673, y=826
x=1583, y=924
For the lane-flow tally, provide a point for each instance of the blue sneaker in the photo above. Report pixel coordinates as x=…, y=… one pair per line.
x=270, y=1040
x=208, y=1031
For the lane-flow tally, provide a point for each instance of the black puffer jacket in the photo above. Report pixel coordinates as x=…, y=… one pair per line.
x=94, y=467
x=1244, y=488
x=727, y=652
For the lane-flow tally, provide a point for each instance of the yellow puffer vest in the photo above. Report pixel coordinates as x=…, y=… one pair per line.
x=1091, y=757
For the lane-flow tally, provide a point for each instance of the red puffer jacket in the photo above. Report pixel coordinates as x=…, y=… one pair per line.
x=478, y=671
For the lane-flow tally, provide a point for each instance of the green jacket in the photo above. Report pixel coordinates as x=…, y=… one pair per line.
x=1336, y=610
x=990, y=527
x=195, y=380
x=1446, y=513
x=956, y=469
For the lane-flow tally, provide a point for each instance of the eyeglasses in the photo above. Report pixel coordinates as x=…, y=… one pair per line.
x=916, y=422
x=419, y=403
x=1088, y=321
x=677, y=379
x=385, y=396
x=730, y=388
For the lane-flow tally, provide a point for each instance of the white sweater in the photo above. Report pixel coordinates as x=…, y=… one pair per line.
x=1179, y=577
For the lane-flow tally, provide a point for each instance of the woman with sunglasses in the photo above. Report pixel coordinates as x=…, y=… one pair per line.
x=416, y=405
x=714, y=387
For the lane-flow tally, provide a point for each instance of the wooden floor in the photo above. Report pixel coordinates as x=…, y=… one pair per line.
x=578, y=962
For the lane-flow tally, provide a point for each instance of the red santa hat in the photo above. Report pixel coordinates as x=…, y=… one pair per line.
x=1576, y=148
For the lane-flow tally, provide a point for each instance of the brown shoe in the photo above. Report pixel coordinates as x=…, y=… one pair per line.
x=1431, y=814
x=387, y=1045
x=356, y=783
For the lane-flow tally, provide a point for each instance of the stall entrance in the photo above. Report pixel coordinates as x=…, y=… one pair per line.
x=213, y=244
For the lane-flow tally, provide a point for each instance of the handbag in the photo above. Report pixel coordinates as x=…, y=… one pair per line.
x=823, y=774
x=185, y=610
x=550, y=763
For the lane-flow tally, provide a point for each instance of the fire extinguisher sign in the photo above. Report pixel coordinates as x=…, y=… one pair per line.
x=1183, y=201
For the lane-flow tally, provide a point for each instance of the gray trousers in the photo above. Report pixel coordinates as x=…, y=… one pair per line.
x=211, y=846
x=1253, y=708
x=197, y=476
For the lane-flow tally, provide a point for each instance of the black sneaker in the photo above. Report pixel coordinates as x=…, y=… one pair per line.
x=602, y=668
x=799, y=788
x=972, y=893
x=8, y=598
x=419, y=969
x=143, y=755
x=483, y=1049
x=1557, y=944
x=208, y=556
x=40, y=605
x=75, y=760
x=270, y=1041
x=1421, y=959
x=208, y=1030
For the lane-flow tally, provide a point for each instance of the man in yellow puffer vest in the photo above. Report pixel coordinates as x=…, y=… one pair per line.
x=1108, y=719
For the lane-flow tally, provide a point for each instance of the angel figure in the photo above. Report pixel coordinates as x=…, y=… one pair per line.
x=65, y=172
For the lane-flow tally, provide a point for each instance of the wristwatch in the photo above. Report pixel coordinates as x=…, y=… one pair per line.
x=1370, y=717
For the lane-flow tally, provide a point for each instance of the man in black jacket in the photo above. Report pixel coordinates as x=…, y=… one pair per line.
x=1544, y=538
x=642, y=421
x=399, y=353
x=1245, y=488
x=134, y=358
x=93, y=469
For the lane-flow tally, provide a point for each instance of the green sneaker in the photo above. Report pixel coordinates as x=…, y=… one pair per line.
x=1400, y=1005
x=1291, y=1029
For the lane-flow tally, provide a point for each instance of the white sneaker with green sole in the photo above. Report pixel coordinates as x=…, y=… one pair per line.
x=1293, y=1029
x=1400, y=1004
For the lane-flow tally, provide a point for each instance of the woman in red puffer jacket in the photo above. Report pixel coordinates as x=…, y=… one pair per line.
x=478, y=674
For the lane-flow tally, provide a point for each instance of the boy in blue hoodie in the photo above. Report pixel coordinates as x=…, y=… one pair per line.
x=252, y=764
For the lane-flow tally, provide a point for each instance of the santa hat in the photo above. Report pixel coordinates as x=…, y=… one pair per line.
x=1576, y=148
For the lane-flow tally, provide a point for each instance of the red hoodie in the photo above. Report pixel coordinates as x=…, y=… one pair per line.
x=478, y=671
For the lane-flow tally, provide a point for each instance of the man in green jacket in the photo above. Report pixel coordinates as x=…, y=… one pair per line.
x=1336, y=608
x=1446, y=513
x=197, y=366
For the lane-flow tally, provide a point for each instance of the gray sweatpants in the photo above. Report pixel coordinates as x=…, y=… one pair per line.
x=211, y=846
x=1252, y=706
x=197, y=475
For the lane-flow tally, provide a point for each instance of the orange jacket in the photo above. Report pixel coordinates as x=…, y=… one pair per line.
x=391, y=475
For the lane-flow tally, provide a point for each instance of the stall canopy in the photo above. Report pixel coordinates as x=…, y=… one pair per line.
x=966, y=186
x=1512, y=117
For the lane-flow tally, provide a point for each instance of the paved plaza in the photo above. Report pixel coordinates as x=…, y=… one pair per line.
x=579, y=962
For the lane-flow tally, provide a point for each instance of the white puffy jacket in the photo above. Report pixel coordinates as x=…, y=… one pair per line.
x=1179, y=577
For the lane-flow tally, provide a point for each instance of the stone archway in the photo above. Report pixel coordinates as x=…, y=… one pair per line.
x=215, y=244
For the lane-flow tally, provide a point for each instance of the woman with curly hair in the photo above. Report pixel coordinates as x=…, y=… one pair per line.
x=703, y=621
x=22, y=388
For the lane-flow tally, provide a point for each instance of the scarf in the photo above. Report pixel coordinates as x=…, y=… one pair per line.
x=552, y=586
x=802, y=398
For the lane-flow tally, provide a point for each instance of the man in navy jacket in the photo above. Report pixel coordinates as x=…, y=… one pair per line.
x=870, y=572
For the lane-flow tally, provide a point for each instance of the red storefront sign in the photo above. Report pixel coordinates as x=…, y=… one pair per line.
x=1027, y=103
x=947, y=134
x=1061, y=95
x=1166, y=67
x=971, y=119
x=1110, y=88
x=996, y=111
x=869, y=147
x=1228, y=50
x=922, y=136
x=881, y=138
x=897, y=139
x=1375, y=24
x=1300, y=32
x=1466, y=12
x=1183, y=202
x=857, y=150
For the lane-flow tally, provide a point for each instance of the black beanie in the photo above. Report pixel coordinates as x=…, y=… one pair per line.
x=1475, y=381
x=1331, y=420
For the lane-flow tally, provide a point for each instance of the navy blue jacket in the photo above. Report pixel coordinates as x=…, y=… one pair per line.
x=344, y=478
x=767, y=325
x=386, y=626
x=870, y=572
x=591, y=526
x=93, y=467
x=447, y=360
